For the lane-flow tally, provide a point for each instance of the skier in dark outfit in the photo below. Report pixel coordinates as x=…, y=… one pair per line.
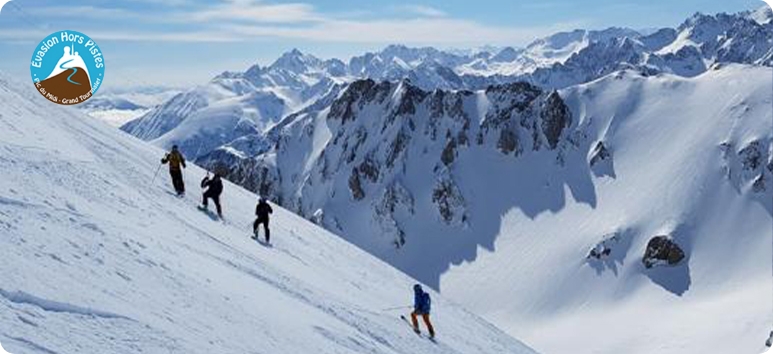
x=262, y=211
x=421, y=306
x=176, y=161
x=214, y=188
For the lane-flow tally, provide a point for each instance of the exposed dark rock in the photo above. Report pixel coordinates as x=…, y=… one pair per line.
x=342, y=107
x=462, y=138
x=555, y=117
x=759, y=184
x=449, y=201
x=662, y=249
x=411, y=96
x=508, y=142
x=751, y=156
x=395, y=198
x=604, y=249
x=396, y=148
x=449, y=152
x=355, y=186
x=520, y=95
x=600, y=153
x=436, y=106
x=318, y=217
x=359, y=138
x=600, y=252
x=752, y=164
x=369, y=169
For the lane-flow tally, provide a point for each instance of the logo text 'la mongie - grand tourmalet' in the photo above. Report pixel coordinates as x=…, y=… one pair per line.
x=67, y=67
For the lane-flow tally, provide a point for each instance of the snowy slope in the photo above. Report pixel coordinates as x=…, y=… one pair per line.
x=96, y=259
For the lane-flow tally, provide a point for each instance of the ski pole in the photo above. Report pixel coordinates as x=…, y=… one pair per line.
x=397, y=308
x=156, y=174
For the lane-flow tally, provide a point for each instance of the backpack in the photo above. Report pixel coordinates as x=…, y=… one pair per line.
x=426, y=302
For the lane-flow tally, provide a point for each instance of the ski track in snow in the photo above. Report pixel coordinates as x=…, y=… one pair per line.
x=20, y=297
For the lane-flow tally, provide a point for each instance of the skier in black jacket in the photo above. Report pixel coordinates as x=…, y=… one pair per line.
x=214, y=188
x=262, y=211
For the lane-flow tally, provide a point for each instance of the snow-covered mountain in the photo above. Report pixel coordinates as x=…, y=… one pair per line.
x=542, y=53
x=120, y=106
x=506, y=190
x=689, y=50
x=98, y=260
x=235, y=105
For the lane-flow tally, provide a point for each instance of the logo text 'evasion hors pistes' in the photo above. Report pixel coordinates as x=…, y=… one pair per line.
x=67, y=67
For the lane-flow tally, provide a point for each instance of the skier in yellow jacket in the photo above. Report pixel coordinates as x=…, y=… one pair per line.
x=176, y=162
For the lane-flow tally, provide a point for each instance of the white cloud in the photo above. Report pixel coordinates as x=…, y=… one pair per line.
x=422, y=10
x=428, y=31
x=164, y=2
x=33, y=36
x=250, y=10
x=84, y=12
x=248, y=20
x=410, y=31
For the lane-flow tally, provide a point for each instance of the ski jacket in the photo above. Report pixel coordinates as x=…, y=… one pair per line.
x=175, y=160
x=421, y=302
x=262, y=210
x=214, y=185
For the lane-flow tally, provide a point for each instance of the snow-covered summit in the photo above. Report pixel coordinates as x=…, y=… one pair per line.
x=763, y=15
x=295, y=61
x=96, y=259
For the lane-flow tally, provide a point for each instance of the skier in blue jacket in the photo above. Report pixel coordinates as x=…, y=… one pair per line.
x=421, y=306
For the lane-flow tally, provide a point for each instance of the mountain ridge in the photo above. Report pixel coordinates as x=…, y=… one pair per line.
x=296, y=79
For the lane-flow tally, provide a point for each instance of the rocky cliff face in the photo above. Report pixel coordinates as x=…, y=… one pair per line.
x=391, y=150
x=750, y=165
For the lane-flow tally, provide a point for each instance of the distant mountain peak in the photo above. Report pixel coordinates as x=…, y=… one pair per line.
x=763, y=15
x=296, y=61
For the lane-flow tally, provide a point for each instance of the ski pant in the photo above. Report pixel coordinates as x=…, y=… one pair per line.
x=177, y=181
x=215, y=198
x=424, y=316
x=257, y=223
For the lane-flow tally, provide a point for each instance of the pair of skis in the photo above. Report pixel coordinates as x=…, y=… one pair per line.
x=432, y=339
x=211, y=214
x=257, y=239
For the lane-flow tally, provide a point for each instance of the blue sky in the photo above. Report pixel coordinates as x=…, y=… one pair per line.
x=183, y=42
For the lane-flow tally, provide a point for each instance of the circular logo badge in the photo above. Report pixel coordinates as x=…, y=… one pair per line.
x=67, y=67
